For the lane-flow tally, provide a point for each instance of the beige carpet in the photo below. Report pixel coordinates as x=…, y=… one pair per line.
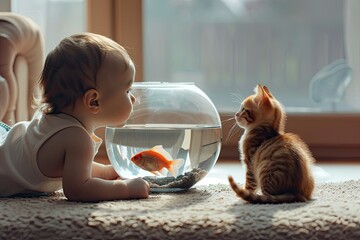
x=201, y=213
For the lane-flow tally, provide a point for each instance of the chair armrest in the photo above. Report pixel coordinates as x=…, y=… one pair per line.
x=4, y=97
x=21, y=62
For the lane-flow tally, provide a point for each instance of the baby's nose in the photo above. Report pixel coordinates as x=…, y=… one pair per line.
x=133, y=99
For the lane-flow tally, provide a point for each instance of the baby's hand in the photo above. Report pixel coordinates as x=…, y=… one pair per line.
x=138, y=188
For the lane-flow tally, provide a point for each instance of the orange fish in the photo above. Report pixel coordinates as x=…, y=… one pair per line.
x=155, y=159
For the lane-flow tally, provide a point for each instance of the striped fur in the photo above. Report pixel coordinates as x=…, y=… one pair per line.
x=277, y=163
x=252, y=197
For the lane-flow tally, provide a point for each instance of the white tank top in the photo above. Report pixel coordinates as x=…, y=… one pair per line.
x=19, y=172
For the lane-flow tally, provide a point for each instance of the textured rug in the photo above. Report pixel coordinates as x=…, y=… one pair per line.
x=204, y=212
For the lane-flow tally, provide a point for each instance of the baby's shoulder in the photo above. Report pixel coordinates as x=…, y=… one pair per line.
x=67, y=145
x=73, y=137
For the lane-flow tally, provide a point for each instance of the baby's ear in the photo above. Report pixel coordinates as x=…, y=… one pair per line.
x=91, y=100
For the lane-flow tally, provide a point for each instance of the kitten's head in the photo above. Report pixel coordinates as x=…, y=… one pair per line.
x=260, y=109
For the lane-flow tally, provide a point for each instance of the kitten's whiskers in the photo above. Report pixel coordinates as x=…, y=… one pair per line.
x=228, y=120
x=233, y=130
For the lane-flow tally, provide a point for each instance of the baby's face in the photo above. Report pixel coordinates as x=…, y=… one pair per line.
x=116, y=102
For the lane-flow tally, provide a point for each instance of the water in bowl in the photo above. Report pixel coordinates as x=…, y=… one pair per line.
x=198, y=145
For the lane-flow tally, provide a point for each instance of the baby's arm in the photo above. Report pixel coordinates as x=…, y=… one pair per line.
x=104, y=171
x=78, y=183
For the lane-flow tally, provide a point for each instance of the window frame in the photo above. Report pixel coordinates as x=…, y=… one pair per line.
x=330, y=136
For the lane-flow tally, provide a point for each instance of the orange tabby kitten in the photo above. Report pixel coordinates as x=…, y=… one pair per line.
x=277, y=163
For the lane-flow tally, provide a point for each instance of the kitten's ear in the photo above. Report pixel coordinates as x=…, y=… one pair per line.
x=262, y=98
x=258, y=96
x=268, y=92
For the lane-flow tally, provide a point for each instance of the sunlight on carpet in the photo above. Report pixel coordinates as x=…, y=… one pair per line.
x=204, y=212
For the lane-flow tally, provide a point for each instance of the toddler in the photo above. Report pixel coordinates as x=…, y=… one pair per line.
x=86, y=83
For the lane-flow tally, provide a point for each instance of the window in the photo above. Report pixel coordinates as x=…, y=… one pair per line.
x=226, y=47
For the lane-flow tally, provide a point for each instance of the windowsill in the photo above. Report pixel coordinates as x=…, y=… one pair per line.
x=329, y=135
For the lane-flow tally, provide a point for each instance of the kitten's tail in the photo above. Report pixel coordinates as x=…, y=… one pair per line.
x=252, y=197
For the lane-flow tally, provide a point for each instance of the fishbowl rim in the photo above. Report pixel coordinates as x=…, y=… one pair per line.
x=157, y=126
x=162, y=84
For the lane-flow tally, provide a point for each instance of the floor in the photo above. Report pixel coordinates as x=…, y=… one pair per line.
x=323, y=172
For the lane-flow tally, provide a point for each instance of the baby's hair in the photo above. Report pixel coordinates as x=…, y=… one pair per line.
x=71, y=69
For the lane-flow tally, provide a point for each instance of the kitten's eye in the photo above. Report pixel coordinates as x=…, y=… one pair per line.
x=243, y=109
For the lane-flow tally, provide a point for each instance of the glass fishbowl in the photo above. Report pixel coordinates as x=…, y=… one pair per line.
x=172, y=138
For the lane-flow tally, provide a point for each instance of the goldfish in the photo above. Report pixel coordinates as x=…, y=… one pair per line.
x=155, y=159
